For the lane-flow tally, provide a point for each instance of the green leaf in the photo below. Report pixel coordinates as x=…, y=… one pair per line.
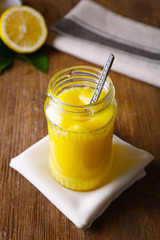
x=38, y=59
x=6, y=56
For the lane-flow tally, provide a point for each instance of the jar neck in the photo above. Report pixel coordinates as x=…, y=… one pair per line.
x=79, y=76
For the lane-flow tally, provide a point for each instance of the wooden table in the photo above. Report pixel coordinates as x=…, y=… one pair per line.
x=25, y=214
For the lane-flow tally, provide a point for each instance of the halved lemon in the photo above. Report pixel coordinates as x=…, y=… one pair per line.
x=23, y=29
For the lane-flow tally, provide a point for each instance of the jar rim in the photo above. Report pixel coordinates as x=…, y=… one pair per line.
x=80, y=107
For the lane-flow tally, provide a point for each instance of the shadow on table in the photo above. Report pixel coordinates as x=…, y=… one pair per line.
x=135, y=209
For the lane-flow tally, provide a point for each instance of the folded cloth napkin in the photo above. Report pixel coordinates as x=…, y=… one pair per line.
x=90, y=31
x=82, y=208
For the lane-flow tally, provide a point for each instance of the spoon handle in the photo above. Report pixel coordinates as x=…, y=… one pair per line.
x=102, y=79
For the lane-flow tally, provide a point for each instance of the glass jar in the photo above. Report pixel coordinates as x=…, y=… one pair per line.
x=80, y=136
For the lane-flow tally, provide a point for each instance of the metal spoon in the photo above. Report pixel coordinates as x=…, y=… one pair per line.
x=102, y=79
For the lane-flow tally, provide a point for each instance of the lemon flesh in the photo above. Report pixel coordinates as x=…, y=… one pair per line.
x=23, y=29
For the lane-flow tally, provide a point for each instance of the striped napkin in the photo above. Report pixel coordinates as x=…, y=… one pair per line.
x=90, y=31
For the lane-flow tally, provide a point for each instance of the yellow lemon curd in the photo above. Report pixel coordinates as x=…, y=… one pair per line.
x=81, y=139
